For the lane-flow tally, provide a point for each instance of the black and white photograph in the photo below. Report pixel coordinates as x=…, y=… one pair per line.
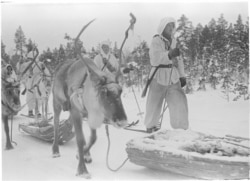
x=144, y=90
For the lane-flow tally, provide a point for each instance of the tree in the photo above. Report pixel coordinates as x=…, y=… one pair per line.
x=61, y=53
x=71, y=50
x=49, y=59
x=186, y=43
x=184, y=30
x=20, y=41
x=4, y=55
x=221, y=40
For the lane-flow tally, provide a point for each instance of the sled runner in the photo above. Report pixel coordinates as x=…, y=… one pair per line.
x=192, y=154
x=44, y=130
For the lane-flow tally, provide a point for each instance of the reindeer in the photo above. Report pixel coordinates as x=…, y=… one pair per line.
x=37, y=84
x=82, y=89
x=10, y=93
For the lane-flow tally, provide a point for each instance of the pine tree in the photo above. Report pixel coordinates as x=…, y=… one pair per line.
x=61, y=54
x=240, y=57
x=71, y=50
x=4, y=55
x=20, y=41
x=184, y=41
x=49, y=59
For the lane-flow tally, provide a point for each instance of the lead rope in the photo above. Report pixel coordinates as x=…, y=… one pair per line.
x=107, y=155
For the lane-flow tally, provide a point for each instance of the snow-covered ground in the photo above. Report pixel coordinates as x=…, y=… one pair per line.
x=32, y=159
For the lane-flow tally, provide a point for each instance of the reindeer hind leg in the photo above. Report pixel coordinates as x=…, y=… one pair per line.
x=57, y=111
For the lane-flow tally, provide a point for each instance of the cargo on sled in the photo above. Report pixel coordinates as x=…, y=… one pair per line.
x=192, y=154
x=44, y=130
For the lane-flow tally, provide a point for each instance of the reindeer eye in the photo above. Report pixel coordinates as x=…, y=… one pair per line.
x=105, y=91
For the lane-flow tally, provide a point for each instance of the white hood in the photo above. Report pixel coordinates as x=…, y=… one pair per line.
x=101, y=50
x=164, y=23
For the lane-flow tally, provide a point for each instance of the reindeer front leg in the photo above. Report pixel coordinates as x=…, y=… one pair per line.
x=92, y=140
x=6, y=128
x=76, y=118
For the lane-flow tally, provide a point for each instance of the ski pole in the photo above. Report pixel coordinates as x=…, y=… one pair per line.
x=138, y=106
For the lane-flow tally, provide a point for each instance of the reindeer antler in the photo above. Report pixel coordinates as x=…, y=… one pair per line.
x=77, y=38
x=33, y=61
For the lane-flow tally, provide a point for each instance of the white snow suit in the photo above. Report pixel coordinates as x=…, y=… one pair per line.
x=166, y=84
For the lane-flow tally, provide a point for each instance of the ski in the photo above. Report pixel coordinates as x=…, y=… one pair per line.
x=136, y=130
x=132, y=127
x=133, y=123
x=32, y=117
x=129, y=125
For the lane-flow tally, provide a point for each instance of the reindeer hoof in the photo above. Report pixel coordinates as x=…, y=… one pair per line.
x=87, y=159
x=55, y=155
x=84, y=175
x=9, y=147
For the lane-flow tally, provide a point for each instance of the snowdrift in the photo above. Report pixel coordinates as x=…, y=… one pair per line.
x=192, y=154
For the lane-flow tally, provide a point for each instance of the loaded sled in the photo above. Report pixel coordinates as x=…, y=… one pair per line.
x=192, y=154
x=44, y=130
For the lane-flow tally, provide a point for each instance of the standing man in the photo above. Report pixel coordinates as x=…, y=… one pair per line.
x=168, y=78
x=105, y=60
x=26, y=79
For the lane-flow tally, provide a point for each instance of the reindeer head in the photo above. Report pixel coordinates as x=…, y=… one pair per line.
x=102, y=98
x=105, y=92
x=11, y=96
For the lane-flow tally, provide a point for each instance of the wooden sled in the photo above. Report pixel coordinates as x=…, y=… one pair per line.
x=44, y=130
x=192, y=154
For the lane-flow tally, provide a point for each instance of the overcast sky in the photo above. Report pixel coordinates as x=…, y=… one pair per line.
x=46, y=24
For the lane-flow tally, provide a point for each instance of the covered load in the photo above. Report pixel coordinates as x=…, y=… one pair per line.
x=192, y=154
x=44, y=130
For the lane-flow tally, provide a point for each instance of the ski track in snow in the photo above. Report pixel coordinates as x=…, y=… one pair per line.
x=32, y=158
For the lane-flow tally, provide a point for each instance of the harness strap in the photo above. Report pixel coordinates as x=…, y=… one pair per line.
x=105, y=64
x=76, y=98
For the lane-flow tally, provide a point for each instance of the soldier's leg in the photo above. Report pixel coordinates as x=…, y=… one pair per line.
x=31, y=102
x=154, y=102
x=178, y=107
